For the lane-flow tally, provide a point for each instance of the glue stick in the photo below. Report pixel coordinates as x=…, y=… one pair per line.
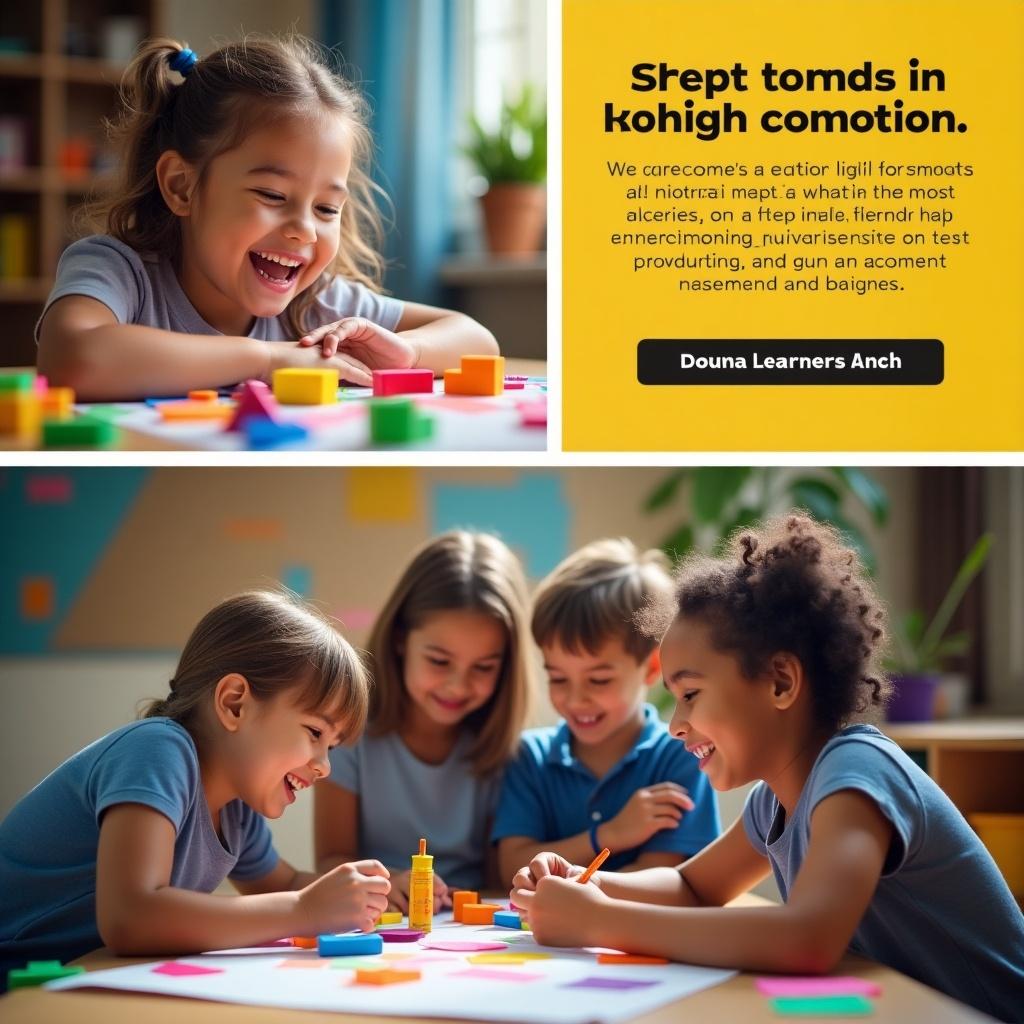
x=421, y=890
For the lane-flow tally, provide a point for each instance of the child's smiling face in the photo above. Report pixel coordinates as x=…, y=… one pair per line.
x=726, y=720
x=265, y=221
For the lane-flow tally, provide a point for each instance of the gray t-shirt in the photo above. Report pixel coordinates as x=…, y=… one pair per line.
x=49, y=841
x=402, y=799
x=942, y=912
x=145, y=290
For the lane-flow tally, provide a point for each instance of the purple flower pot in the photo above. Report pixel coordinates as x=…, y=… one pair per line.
x=913, y=698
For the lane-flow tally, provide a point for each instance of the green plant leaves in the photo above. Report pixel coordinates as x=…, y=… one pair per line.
x=714, y=487
x=517, y=150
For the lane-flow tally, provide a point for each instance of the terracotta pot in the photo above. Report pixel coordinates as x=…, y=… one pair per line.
x=514, y=218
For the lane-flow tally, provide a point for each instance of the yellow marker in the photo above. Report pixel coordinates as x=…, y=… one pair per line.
x=421, y=890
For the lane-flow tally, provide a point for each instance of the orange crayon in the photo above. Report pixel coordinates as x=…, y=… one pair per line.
x=593, y=866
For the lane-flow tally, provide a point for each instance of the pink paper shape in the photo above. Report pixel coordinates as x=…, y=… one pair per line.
x=463, y=946
x=175, y=969
x=492, y=974
x=472, y=406
x=330, y=416
x=817, y=987
x=51, y=489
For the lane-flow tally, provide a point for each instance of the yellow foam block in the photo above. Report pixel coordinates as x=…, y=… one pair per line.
x=306, y=387
x=390, y=917
x=478, y=375
x=57, y=403
x=19, y=414
x=175, y=411
x=506, y=958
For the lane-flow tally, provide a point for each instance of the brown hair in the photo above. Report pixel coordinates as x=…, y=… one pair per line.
x=596, y=593
x=455, y=571
x=278, y=644
x=791, y=584
x=223, y=98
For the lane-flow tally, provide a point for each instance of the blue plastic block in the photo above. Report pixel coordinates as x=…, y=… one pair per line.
x=262, y=433
x=506, y=919
x=349, y=945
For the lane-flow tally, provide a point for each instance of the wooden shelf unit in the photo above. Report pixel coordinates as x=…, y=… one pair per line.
x=59, y=96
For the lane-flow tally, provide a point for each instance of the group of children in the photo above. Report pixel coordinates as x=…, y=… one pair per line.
x=771, y=655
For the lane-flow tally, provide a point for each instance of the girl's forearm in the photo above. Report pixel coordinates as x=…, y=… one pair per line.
x=442, y=342
x=125, y=361
x=173, y=920
x=748, y=938
x=665, y=886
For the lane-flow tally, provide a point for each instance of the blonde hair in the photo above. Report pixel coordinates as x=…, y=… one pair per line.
x=455, y=571
x=223, y=98
x=279, y=644
x=597, y=593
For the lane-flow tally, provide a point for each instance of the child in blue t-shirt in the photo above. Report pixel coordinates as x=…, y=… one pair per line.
x=123, y=843
x=609, y=774
x=770, y=653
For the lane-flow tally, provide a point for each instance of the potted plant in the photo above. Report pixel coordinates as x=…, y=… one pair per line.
x=513, y=161
x=920, y=651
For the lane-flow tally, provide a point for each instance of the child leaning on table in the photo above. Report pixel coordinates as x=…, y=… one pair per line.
x=123, y=844
x=609, y=774
x=244, y=214
x=771, y=653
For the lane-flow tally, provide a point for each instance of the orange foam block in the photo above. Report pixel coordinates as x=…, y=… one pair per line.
x=385, y=977
x=479, y=913
x=459, y=899
x=478, y=375
x=629, y=958
x=57, y=403
x=304, y=941
x=188, y=410
x=203, y=395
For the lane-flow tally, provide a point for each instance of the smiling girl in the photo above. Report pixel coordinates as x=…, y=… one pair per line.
x=124, y=843
x=449, y=699
x=773, y=654
x=244, y=214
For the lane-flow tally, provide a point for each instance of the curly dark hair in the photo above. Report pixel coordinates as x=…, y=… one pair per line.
x=791, y=584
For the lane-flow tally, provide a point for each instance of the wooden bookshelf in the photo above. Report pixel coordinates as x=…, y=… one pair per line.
x=56, y=81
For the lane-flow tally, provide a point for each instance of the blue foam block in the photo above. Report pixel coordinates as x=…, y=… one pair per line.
x=506, y=919
x=261, y=433
x=349, y=945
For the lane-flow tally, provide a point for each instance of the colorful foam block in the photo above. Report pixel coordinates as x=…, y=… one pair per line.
x=189, y=410
x=398, y=421
x=203, y=395
x=402, y=382
x=20, y=414
x=23, y=380
x=459, y=899
x=478, y=375
x=479, y=913
x=822, y=1006
x=629, y=958
x=261, y=434
x=306, y=387
x=385, y=977
x=38, y=972
x=254, y=401
x=534, y=414
x=506, y=919
x=304, y=941
x=57, y=403
x=82, y=432
x=390, y=917
x=401, y=934
x=349, y=945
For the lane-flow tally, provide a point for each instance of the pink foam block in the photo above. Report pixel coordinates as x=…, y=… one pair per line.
x=179, y=970
x=817, y=987
x=255, y=401
x=533, y=413
x=402, y=382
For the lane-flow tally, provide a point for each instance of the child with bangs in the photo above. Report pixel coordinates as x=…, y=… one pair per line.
x=123, y=844
x=772, y=654
x=244, y=214
x=609, y=774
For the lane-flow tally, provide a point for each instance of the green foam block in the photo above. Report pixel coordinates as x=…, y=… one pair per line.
x=38, y=972
x=81, y=432
x=24, y=380
x=822, y=1006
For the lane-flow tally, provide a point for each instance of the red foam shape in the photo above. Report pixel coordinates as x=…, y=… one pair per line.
x=402, y=382
x=255, y=401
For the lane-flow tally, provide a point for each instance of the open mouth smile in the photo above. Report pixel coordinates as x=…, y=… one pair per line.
x=292, y=784
x=275, y=270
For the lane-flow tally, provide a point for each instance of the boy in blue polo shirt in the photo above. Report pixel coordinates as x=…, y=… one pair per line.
x=608, y=774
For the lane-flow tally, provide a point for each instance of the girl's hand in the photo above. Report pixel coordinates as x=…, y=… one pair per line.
x=399, y=897
x=648, y=811
x=292, y=354
x=365, y=341
x=350, y=896
x=561, y=912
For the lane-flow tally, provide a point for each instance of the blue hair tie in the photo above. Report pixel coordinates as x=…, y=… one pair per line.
x=183, y=62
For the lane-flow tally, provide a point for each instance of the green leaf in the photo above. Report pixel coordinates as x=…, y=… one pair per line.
x=745, y=517
x=714, y=487
x=679, y=544
x=913, y=627
x=665, y=491
x=953, y=646
x=867, y=490
x=822, y=500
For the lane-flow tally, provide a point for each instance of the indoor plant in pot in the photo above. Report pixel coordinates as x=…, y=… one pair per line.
x=513, y=160
x=919, y=651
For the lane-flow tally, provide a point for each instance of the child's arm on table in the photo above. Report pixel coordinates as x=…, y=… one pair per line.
x=848, y=843
x=139, y=913
x=426, y=337
x=82, y=345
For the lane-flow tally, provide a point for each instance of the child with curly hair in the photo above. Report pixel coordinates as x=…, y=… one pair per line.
x=772, y=654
